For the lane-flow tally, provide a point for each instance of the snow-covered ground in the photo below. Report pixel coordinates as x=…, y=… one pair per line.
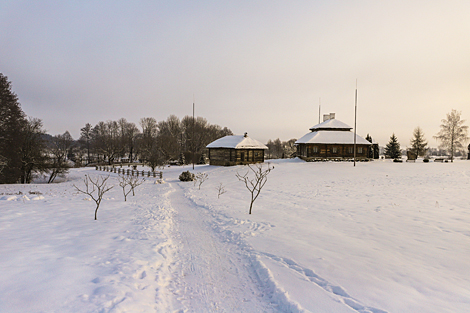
x=323, y=237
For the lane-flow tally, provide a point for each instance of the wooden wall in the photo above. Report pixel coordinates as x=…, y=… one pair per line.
x=312, y=152
x=228, y=157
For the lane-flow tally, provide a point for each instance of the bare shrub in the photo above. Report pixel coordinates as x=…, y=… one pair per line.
x=200, y=178
x=256, y=183
x=220, y=190
x=95, y=188
x=130, y=181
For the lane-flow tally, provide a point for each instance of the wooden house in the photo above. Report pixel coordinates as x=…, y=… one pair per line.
x=236, y=150
x=331, y=140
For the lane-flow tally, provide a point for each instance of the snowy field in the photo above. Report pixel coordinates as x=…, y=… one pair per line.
x=323, y=237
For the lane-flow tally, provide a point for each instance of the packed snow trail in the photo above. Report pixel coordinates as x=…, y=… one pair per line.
x=211, y=275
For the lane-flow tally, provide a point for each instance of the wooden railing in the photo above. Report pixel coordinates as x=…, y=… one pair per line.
x=130, y=172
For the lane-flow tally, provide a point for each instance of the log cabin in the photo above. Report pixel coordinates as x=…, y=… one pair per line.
x=331, y=140
x=236, y=150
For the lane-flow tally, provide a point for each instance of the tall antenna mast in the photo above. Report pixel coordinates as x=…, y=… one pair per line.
x=319, y=110
x=355, y=119
x=193, y=134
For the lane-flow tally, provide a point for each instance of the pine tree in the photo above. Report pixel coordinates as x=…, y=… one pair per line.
x=12, y=123
x=374, y=148
x=392, y=149
x=371, y=151
x=418, y=143
x=182, y=159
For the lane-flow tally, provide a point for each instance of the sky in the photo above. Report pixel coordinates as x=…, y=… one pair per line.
x=262, y=67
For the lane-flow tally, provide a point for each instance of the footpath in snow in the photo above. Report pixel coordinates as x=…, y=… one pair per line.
x=212, y=274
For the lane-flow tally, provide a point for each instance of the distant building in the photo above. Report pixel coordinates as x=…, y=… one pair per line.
x=331, y=140
x=236, y=150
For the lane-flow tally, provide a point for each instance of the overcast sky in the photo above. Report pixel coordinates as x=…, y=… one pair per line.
x=253, y=66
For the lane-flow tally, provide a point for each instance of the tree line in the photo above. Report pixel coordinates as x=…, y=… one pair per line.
x=452, y=136
x=26, y=149
x=154, y=143
x=278, y=149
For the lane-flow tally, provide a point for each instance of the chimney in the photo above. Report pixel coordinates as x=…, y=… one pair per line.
x=327, y=117
x=246, y=135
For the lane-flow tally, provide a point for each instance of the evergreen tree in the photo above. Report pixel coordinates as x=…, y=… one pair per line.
x=374, y=148
x=12, y=123
x=371, y=151
x=202, y=159
x=182, y=159
x=418, y=143
x=392, y=149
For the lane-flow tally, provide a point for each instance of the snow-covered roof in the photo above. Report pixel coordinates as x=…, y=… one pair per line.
x=332, y=137
x=237, y=142
x=332, y=124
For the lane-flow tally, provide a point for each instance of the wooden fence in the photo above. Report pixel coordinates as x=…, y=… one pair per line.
x=130, y=172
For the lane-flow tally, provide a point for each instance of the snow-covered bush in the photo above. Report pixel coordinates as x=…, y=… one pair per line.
x=186, y=176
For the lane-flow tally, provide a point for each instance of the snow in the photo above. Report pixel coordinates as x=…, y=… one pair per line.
x=237, y=142
x=331, y=124
x=323, y=237
x=332, y=137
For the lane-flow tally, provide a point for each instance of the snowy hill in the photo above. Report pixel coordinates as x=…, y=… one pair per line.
x=323, y=237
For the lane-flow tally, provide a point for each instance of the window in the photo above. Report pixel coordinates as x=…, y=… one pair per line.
x=359, y=150
x=315, y=149
x=334, y=150
x=351, y=150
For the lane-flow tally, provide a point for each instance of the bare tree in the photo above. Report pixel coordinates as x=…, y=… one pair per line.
x=85, y=138
x=155, y=158
x=3, y=163
x=170, y=137
x=256, y=183
x=200, y=179
x=128, y=136
x=33, y=150
x=453, y=133
x=95, y=188
x=220, y=190
x=130, y=181
x=59, y=148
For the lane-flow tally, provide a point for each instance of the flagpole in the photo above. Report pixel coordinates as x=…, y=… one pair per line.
x=193, y=133
x=355, y=120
